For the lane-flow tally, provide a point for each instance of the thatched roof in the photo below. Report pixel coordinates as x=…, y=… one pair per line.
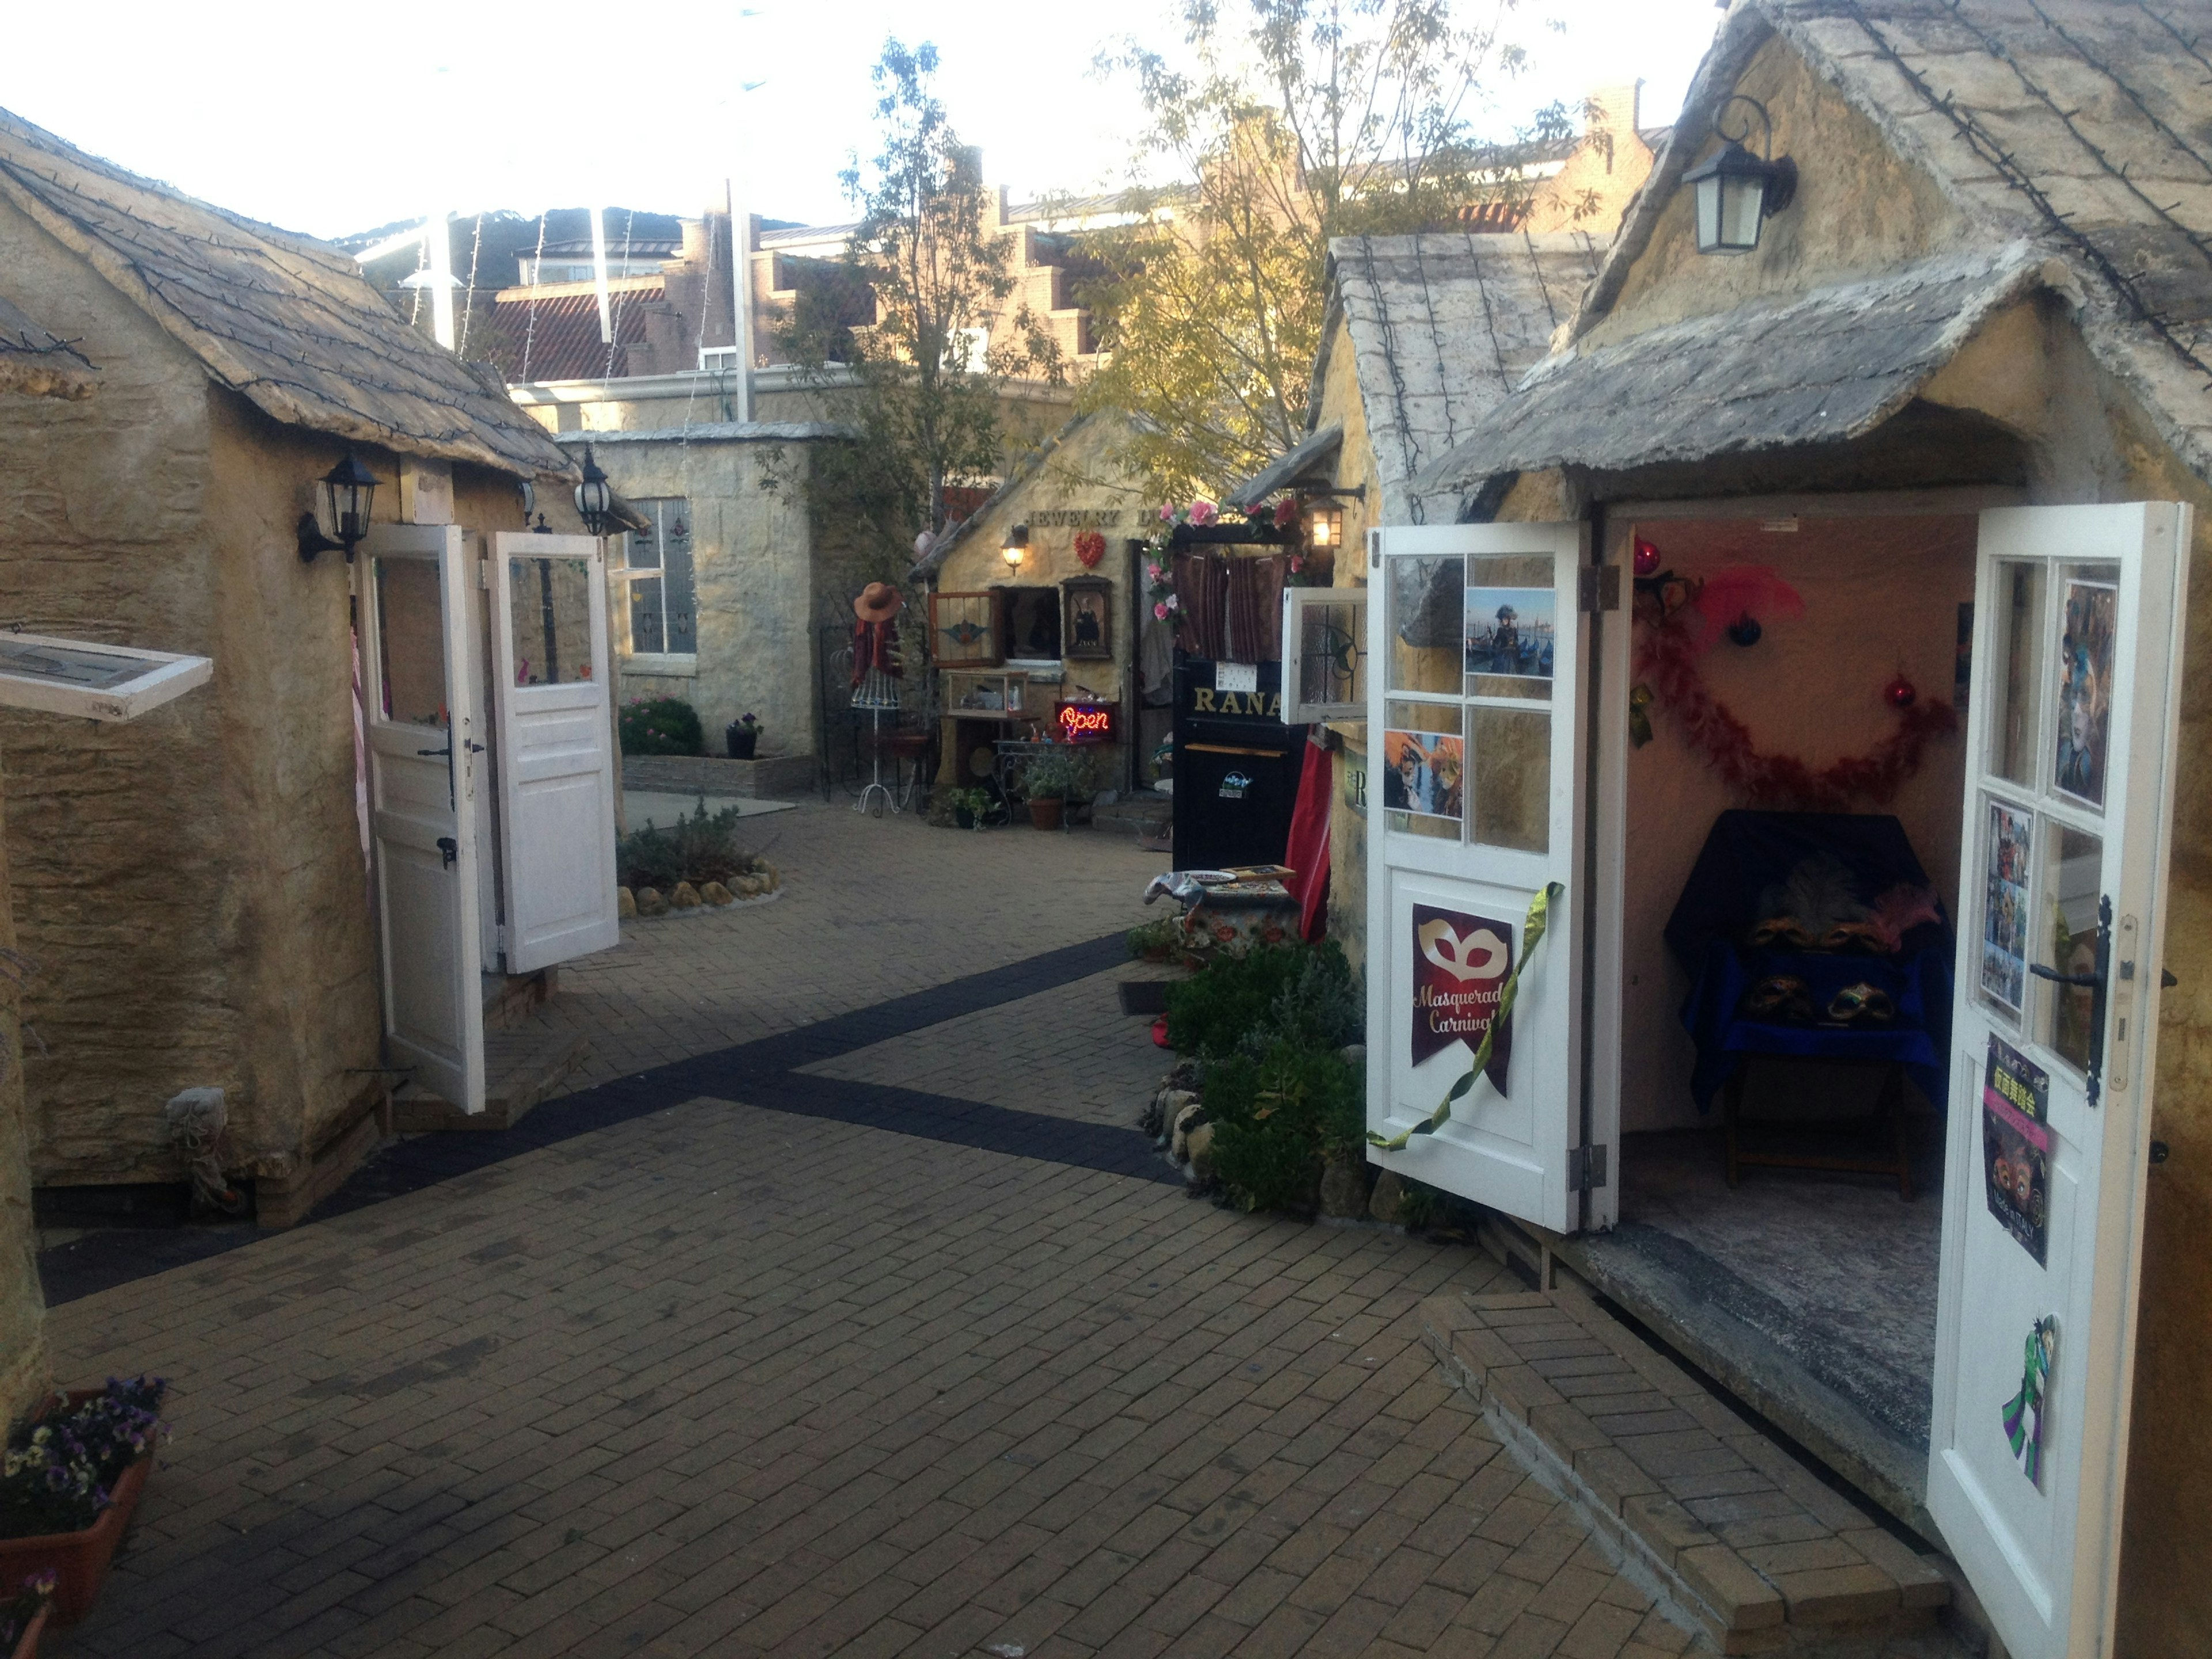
x=2071, y=129
x=288, y=322
x=1442, y=327
x=34, y=363
x=1803, y=368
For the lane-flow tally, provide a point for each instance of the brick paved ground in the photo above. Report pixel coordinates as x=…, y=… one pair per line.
x=728, y=1380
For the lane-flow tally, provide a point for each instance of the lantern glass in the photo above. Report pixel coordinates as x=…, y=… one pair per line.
x=594, y=499
x=1324, y=527
x=1737, y=191
x=1016, y=548
x=349, y=491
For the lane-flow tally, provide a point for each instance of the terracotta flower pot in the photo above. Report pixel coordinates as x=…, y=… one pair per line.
x=78, y=1560
x=26, y=1644
x=1046, y=814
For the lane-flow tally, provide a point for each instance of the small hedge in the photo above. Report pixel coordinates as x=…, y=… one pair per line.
x=1302, y=991
x=1278, y=1116
x=661, y=725
x=700, y=849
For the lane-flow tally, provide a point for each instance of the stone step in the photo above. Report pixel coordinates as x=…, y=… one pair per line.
x=522, y=1066
x=1762, y=1554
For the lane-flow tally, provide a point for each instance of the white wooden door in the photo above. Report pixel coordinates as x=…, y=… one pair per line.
x=1476, y=651
x=556, y=767
x=2077, y=647
x=425, y=738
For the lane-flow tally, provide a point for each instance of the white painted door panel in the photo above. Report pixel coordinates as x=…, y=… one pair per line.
x=2068, y=803
x=1475, y=656
x=424, y=745
x=556, y=760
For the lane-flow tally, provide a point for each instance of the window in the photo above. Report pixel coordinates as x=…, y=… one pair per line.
x=718, y=360
x=1033, y=624
x=662, y=606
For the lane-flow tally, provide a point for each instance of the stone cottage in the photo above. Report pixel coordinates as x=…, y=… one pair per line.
x=32, y=364
x=1904, y=350
x=193, y=886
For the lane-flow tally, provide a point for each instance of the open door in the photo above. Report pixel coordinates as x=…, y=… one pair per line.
x=2077, y=637
x=557, y=768
x=1476, y=651
x=424, y=739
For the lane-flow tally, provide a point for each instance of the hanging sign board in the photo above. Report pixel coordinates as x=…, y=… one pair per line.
x=1461, y=964
x=2016, y=1146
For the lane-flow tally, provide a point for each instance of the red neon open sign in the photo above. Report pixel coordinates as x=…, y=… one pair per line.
x=1085, y=722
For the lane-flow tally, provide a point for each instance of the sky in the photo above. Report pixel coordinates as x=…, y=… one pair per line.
x=331, y=120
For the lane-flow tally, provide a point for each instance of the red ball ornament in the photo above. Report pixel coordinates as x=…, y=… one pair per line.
x=1647, y=556
x=1900, y=693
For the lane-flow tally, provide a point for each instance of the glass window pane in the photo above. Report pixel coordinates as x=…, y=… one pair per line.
x=1330, y=653
x=2017, y=673
x=1512, y=777
x=1426, y=603
x=679, y=604
x=2071, y=886
x=411, y=641
x=642, y=548
x=1511, y=633
x=646, y=632
x=2008, y=844
x=2088, y=627
x=549, y=620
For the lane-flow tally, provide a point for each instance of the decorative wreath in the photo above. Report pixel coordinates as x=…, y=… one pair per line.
x=1677, y=623
x=1089, y=548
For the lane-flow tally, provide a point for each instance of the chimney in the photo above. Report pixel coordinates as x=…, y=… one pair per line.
x=1615, y=109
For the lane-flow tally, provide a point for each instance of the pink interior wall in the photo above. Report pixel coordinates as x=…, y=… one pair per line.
x=1881, y=595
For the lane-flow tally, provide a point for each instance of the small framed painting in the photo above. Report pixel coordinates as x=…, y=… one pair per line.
x=1087, y=620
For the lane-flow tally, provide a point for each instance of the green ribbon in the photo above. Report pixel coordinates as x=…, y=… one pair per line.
x=2023, y=1413
x=1532, y=931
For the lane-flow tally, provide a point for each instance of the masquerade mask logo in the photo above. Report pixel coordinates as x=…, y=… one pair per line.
x=1461, y=964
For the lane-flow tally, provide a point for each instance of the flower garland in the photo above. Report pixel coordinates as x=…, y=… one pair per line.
x=1667, y=662
x=1159, y=565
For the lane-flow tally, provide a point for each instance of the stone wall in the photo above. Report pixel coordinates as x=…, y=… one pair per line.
x=24, y=1373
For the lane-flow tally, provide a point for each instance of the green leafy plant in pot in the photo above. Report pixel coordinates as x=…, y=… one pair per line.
x=970, y=807
x=1052, y=780
x=742, y=736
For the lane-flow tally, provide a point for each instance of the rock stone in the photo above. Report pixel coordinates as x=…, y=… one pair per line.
x=625, y=904
x=1344, y=1186
x=1171, y=1104
x=686, y=897
x=1190, y=1117
x=715, y=894
x=771, y=878
x=650, y=903
x=1199, y=1145
x=748, y=887
x=1387, y=1203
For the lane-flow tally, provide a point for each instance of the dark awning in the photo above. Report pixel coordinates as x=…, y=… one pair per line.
x=1805, y=369
x=1298, y=466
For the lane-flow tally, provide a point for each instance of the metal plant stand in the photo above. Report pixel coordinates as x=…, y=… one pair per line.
x=876, y=692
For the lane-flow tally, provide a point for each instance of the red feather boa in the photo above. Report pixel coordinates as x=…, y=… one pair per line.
x=1667, y=660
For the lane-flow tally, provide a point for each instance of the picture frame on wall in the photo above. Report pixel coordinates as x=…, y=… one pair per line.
x=1086, y=631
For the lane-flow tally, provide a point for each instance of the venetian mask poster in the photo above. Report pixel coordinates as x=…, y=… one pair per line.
x=1461, y=966
x=1512, y=631
x=2085, y=689
x=1424, y=772
x=2004, y=907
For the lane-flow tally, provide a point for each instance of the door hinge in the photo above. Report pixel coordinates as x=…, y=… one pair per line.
x=1586, y=1169
x=1597, y=587
x=483, y=575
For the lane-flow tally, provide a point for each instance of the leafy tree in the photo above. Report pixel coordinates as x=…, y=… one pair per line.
x=891, y=345
x=1293, y=121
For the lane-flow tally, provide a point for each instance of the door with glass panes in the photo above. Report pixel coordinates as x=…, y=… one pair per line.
x=425, y=756
x=2078, y=614
x=556, y=770
x=1476, y=653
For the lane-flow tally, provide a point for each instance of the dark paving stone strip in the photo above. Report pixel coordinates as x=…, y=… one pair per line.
x=757, y=1073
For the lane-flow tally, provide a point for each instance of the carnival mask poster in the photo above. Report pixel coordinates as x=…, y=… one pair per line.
x=2016, y=1146
x=1461, y=965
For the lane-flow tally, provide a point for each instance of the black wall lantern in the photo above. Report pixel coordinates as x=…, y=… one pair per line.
x=348, y=489
x=594, y=500
x=1016, y=548
x=1736, y=191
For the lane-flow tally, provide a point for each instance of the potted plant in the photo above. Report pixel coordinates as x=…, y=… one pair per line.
x=69, y=1482
x=23, y=1616
x=969, y=806
x=1051, y=781
x=742, y=735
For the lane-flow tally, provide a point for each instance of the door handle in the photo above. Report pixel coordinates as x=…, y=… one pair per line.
x=2096, y=981
x=449, y=849
x=447, y=751
x=474, y=748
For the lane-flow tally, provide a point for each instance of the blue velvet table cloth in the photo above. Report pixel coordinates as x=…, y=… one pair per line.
x=1746, y=855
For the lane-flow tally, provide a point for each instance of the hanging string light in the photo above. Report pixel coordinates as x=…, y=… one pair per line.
x=536, y=271
x=468, y=314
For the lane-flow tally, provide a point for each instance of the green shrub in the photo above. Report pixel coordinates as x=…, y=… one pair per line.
x=1210, y=1013
x=661, y=725
x=702, y=847
x=1276, y=1115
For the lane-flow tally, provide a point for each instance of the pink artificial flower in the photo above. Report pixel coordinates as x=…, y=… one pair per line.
x=1286, y=513
x=1160, y=609
x=1167, y=514
x=1203, y=512
x=1298, y=563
